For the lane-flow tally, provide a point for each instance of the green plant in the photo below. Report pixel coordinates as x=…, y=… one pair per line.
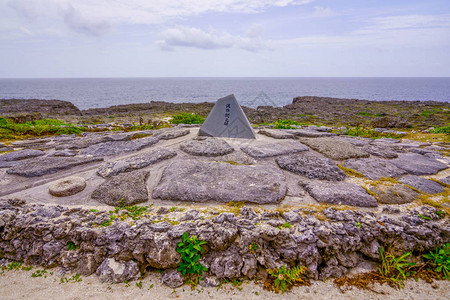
x=39, y=273
x=285, y=225
x=284, y=279
x=139, y=284
x=71, y=246
x=93, y=210
x=424, y=217
x=358, y=224
x=253, y=247
x=441, y=260
x=395, y=269
x=187, y=118
x=190, y=249
x=443, y=129
x=440, y=214
x=285, y=124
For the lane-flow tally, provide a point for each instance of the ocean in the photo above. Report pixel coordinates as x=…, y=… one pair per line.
x=103, y=92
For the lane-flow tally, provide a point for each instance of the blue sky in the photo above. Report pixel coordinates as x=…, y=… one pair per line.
x=238, y=38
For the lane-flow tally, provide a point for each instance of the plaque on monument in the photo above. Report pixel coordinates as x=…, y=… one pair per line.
x=227, y=119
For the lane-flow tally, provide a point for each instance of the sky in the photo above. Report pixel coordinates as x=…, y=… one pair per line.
x=224, y=38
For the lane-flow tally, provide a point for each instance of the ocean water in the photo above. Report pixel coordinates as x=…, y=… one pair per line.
x=103, y=92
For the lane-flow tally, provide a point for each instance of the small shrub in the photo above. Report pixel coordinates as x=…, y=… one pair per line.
x=190, y=249
x=444, y=129
x=285, y=225
x=71, y=246
x=253, y=247
x=395, y=269
x=187, y=118
x=284, y=279
x=441, y=260
x=40, y=273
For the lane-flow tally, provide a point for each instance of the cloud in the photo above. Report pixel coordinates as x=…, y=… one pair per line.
x=78, y=23
x=183, y=36
x=322, y=12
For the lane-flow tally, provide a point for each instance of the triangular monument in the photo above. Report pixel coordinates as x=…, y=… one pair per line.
x=227, y=119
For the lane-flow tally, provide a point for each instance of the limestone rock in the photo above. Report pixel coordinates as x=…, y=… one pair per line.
x=173, y=133
x=380, y=151
x=374, y=168
x=334, y=148
x=172, y=278
x=119, y=147
x=123, y=189
x=311, y=166
x=135, y=162
x=64, y=153
x=417, y=164
x=112, y=271
x=309, y=133
x=48, y=165
x=422, y=184
x=340, y=193
x=194, y=181
x=261, y=150
x=21, y=154
x=276, y=133
x=236, y=157
x=356, y=141
x=394, y=194
x=203, y=146
x=445, y=180
x=67, y=186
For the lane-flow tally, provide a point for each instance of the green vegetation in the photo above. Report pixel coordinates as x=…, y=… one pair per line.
x=440, y=260
x=40, y=273
x=253, y=247
x=395, y=269
x=350, y=172
x=368, y=114
x=187, y=118
x=426, y=113
x=45, y=127
x=443, y=129
x=282, y=279
x=71, y=246
x=74, y=278
x=285, y=225
x=370, y=133
x=190, y=249
x=285, y=124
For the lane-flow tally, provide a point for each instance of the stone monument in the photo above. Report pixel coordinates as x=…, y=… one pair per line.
x=227, y=119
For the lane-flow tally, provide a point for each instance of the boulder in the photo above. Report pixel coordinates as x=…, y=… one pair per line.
x=311, y=166
x=196, y=181
x=394, y=194
x=335, y=148
x=48, y=165
x=374, y=168
x=203, y=146
x=21, y=154
x=422, y=184
x=111, y=270
x=135, y=162
x=261, y=150
x=67, y=186
x=124, y=189
x=417, y=164
x=172, y=278
x=343, y=193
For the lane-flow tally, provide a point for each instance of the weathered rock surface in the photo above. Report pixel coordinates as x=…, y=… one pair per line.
x=168, y=134
x=67, y=186
x=113, y=271
x=374, y=168
x=261, y=150
x=64, y=153
x=334, y=148
x=422, y=184
x=172, y=278
x=202, y=181
x=417, y=164
x=136, y=162
x=394, y=194
x=206, y=146
x=445, y=180
x=21, y=154
x=380, y=151
x=311, y=166
x=360, y=142
x=343, y=193
x=48, y=165
x=124, y=189
x=276, y=133
x=113, y=148
x=236, y=157
x=309, y=133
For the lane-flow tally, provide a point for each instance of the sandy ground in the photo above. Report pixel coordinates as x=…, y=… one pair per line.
x=20, y=285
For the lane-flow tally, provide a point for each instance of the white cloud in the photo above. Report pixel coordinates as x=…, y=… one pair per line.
x=78, y=23
x=322, y=12
x=183, y=36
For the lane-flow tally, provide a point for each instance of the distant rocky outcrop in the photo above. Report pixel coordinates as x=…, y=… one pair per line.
x=17, y=107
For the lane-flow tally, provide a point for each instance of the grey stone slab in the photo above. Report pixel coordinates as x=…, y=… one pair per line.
x=197, y=181
x=386, y=140
x=261, y=150
x=64, y=152
x=311, y=166
x=342, y=193
x=422, y=184
x=123, y=189
x=67, y=186
x=276, y=133
x=355, y=141
x=168, y=134
x=445, y=180
x=47, y=165
x=374, y=168
x=237, y=157
x=227, y=119
x=21, y=154
x=206, y=146
x=135, y=162
x=394, y=194
x=381, y=151
x=309, y=133
x=114, y=148
x=335, y=149
x=417, y=164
